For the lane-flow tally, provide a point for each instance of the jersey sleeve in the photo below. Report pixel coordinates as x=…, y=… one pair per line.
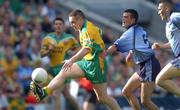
x=124, y=44
x=45, y=42
x=176, y=19
x=88, y=41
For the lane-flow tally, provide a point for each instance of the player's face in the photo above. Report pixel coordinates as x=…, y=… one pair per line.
x=163, y=11
x=127, y=20
x=58, y=26
x=76, y=22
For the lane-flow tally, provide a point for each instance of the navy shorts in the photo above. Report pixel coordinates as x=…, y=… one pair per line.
x=176, y=62
x=149, y=69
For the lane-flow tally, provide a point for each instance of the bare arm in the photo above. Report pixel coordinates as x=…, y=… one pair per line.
x=111, y=49
x=73, y=51
x=129, y=56
x=157, y=46
x=46, y=50
x=80, y=54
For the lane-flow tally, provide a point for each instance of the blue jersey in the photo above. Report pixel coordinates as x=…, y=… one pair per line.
x=135, y=38
x=173, y=32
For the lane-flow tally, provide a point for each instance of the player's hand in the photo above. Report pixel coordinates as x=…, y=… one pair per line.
x=129, y=57
x=103, y=54
x=67, y=64
x=51, y=46
x=156, y=46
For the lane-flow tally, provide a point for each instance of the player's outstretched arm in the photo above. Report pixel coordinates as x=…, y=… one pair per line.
x=157, y=46
x=111, y=49
x=79, y=55
x=45, y=50
x=129, y=56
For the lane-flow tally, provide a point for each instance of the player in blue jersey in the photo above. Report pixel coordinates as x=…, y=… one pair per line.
x=134, y=40
x=172, y=69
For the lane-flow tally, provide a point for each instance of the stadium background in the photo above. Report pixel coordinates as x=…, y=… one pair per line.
x=23, y=24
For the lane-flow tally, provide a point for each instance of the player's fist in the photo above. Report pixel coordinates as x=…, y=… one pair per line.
x=129, y=57
x=51, y=46
x=156, y=46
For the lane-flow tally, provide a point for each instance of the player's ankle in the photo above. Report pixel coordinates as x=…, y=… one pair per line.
x=47, y=91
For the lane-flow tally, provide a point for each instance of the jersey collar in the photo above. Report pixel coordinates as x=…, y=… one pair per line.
x=84, y=25
x=131, y=26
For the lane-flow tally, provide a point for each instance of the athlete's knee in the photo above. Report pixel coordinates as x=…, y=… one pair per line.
x=159, y=81
x=126, y=93
x=100, y=98
x=63, y=75
x=145, y=101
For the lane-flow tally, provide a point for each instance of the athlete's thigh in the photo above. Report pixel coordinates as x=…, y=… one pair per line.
x=147, y=89
x=133, y=83
x=100, y=89
x=169, y=71
x=73, y=72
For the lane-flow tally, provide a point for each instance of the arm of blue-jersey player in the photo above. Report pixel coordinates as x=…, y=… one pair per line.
x=157, y=46
x=129, y=56
x=111, y=49
x=175, y=17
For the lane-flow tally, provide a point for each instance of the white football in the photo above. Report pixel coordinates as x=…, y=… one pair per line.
x=39, y=75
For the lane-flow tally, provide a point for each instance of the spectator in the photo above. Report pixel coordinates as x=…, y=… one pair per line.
x=107, y=37
x=24, y=73
x=176, y=5
x=50, y=10
x=9, y=61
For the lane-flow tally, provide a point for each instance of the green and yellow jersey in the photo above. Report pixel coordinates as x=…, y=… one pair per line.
x=93, y=63
x=9, y=67
x=90, y=37
x=62, y=45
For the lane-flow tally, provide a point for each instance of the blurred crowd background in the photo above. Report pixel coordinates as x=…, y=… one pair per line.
x=23, y=24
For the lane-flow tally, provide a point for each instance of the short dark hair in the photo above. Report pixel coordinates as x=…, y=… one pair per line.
x=77, y=13
x=166, y=1
x=134, y=14
x=58, y=19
